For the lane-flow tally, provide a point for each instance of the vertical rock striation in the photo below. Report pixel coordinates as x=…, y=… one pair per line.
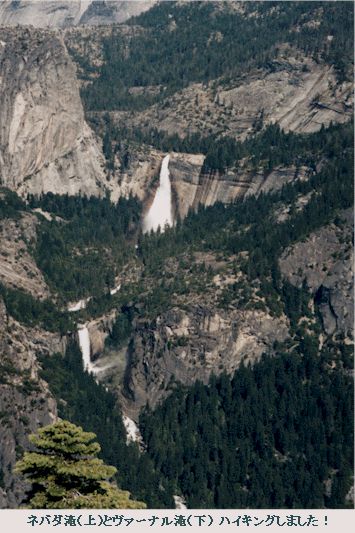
x=45, y=143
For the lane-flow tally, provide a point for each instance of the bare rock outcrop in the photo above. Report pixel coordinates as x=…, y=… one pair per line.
x=185, y=346
x=325, y=262
x=18, y=269
x=141, y=176
x=295, y=92
x=192, y=186
x=45, y=143
x=66, y=13
x=99, y=329
x=25, y=401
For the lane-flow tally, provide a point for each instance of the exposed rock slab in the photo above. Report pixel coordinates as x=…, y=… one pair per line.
x=325, y=262
x=295, y=92
x=185, y=346
x=45, y=143
x=18, y=269
x=25, y=401
x=66, y=13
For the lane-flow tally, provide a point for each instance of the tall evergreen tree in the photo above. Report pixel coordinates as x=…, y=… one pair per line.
x=65, y=472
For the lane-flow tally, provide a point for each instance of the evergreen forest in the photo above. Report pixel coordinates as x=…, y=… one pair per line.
x=275, y=429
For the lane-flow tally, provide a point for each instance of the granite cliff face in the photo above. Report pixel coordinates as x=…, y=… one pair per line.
x=186, y=345
x=45, y=143
x=66, y=13
x=295, y=92
x=18, y=269
x=325, y=262
x=25, y=401
x=191, y=185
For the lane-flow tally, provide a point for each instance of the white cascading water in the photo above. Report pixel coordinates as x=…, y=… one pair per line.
x=132, y=430
x=77, y=306
x=115, y=290
x=160, y=213
x=84, y=343
x=180, y=503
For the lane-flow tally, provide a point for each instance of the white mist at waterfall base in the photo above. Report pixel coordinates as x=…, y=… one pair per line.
x=160, y=213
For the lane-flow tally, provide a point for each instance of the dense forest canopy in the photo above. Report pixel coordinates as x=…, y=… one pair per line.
x=81, y=252
x=80, y=256
x=199, y=42
x=272, y=436
x=277, y=433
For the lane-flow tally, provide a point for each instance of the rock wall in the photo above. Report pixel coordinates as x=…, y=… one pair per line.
x=66, y=13
x=25, y=401
x=184, y=346
x=325, y=261
x=18, y=269
x=193, y=187
x=45, y=143
x=190, y=185
x=99, y=329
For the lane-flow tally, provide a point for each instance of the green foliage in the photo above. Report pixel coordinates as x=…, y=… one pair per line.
x=272, y=436
x=27, y=310
x=81, y=254
x=208, y=42
x=83, y=401
x=121, y=329
x=10, y=204
x=65, y=472
x=270, y=148
x=249, y=225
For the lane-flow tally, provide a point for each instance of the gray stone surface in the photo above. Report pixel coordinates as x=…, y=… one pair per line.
x=67, y=13
x=325, y=262
x=45, y=143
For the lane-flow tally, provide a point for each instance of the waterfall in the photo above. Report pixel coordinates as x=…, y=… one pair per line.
x=77, y=306
x=84, y=343
x=180, y=502
x=115, y=290
x=160, y=213
x=132, y=430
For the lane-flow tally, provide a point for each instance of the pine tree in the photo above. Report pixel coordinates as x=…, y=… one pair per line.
x=65, y=472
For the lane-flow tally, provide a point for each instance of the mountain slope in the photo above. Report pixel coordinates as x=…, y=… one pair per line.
x=228, y=336
x=66, y=13
x=45, y=143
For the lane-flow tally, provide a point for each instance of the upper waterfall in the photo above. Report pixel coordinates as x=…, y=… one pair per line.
x=160, y=212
